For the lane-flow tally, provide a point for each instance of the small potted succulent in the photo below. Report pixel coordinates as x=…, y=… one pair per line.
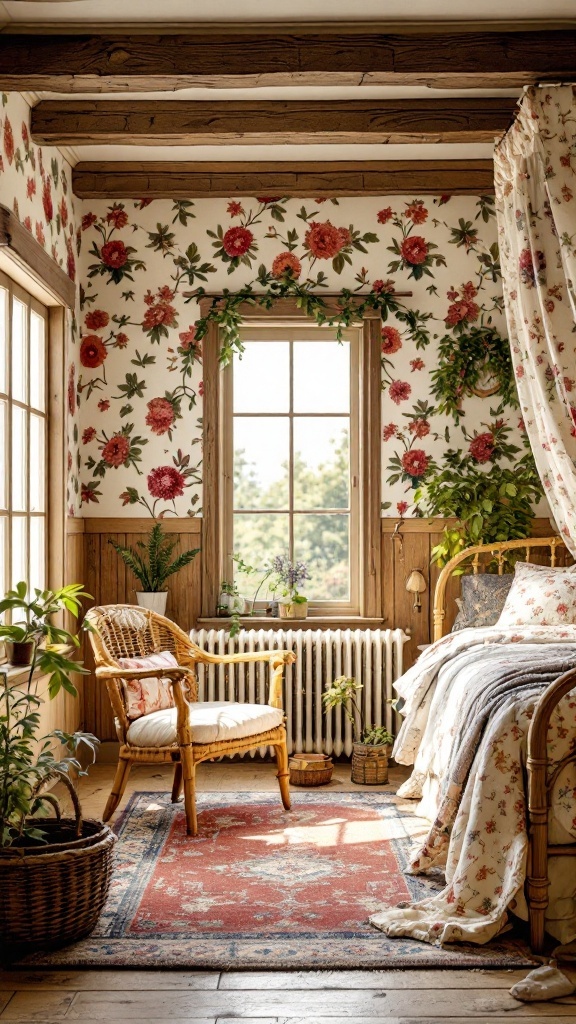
x=289, y=577
x=154, y=566
x=372, y=744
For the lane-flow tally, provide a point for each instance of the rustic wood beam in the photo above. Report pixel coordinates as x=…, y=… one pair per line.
x=164, y=180
x=175, y=122
x=236, y=59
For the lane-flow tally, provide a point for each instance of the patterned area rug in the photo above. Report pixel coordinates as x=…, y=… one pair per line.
x=260, y=888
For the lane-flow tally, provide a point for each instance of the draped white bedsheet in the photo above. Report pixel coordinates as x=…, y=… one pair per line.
x=481, y=839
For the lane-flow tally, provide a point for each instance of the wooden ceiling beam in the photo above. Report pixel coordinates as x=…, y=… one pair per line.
x=180, y=123
x=234, y=59
x=179, y=180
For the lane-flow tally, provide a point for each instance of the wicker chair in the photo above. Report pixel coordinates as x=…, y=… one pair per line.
x=128, y=631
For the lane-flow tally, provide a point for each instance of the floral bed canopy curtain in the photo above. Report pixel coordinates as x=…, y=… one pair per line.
x=536, y=201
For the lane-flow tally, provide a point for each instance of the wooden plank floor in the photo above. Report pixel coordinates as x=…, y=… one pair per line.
x=305, y=997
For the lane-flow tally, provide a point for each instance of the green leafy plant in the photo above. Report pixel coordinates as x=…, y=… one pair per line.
x=154, y=566
x=489, y=506
x=342, y=694
x=480, y=355
x=27, y=761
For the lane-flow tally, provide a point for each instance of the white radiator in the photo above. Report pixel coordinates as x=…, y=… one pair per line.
x=372, y=656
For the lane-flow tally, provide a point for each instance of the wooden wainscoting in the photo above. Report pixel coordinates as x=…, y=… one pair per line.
x=111, y=582
x=405, y=547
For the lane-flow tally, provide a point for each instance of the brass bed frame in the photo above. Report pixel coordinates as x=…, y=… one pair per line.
x=541, y=772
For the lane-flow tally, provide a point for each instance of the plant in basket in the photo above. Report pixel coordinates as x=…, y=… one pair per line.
x=36, y=909
x=372, y=743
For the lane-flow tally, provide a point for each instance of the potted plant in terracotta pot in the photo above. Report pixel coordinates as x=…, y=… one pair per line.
x=372, y=744
x=154, y=566
x=24, y=634
x=54, y=873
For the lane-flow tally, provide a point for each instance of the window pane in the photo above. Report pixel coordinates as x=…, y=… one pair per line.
x=4, y=583
x=37, y=463
x=322, y=541
x=262, y=377
x=3, y=454
x=321, y=376
x=37, y=361
x=19, y=474
x=19, y=551
x=261, y=456
x=3, y=337
x=18, y=350
x=321, y=462
x=257, y=538
x=37, y=553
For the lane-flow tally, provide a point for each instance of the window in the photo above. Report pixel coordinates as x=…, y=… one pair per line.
x=23, y=437
x=291, y=457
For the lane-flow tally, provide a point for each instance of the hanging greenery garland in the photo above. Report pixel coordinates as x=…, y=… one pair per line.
x=475, y=362
x=226, y=310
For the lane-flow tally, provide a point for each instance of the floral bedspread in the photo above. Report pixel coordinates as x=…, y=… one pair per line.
x=468, y=703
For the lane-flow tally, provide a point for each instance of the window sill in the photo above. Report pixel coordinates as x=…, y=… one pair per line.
x=311, y=622
x=17, y=673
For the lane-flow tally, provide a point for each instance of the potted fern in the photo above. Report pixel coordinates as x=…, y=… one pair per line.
x=154, y=566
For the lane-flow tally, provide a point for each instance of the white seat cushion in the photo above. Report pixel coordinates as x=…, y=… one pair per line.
x=211, y=721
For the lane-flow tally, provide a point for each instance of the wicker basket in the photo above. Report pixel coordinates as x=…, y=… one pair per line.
x=310, y=770
x=369, y=764
x=54, y=894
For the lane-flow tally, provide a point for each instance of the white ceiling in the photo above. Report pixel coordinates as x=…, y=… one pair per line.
x=35, y=12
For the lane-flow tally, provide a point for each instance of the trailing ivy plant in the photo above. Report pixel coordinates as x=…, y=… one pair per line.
x=225, y=310
x=464, y=365
x=489, y=506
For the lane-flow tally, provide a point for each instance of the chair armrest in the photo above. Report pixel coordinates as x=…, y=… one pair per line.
x=103, y=672
x=280, y=657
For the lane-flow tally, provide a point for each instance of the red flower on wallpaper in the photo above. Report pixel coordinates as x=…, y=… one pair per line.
x=30, y=187
x=286, y=263
x=461, y=312
x=380, y=286
x=63, y=211
x=114, y=254
x=401, y=507
x=416, y=212
x=88, y=220
x=161, y=313
x=419, y=427
x=88, y=435
x=47, y=200
x=399, y=391
x=116, y=450
x=96, y=319
x=40, y=236
x=27, y=224
x=389, y=431
x=93, y=351
x=482, y=447
x=234, y=209
x=121, y=340
x=117, y=216
x=165, y=482
x=391, y=341
x=188, y=338
x=8, y=138
x=416, y=364
x=70, y=261
x=324, y=241
x=385, y=215
x=268, y=199
x=104, y=404
x=415, y=462
x=72, y=389
x=414, y=250
x=160, y=416
x=237, y=241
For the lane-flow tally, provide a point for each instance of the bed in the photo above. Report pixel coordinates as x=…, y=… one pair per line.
x=490, y=730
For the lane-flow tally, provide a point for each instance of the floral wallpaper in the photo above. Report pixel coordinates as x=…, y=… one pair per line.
x=140, y=373
x=35, y=182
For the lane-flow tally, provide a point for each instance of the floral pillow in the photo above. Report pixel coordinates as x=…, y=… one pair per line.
x=540, y=596
x=482, y=601
x=142, y=696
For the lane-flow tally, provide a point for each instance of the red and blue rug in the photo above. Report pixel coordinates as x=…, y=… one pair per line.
x=262, y=888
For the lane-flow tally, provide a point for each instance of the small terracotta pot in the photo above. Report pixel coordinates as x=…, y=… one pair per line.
x=20, y=652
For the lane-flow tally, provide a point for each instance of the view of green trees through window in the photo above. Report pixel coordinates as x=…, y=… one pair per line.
x=290, y=457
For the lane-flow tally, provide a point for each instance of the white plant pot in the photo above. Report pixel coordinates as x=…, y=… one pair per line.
x=290, y=610
x=155, y=602
x=232, y=604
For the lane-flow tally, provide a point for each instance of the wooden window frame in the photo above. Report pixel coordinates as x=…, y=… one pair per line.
x=213, y=539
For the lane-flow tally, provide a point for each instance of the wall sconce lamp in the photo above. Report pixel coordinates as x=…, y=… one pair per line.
x=416, y=584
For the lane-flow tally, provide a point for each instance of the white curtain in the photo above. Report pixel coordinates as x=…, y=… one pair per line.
x=535, y=167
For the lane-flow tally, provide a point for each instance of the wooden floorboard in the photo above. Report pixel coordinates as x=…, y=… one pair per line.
x=258, y=997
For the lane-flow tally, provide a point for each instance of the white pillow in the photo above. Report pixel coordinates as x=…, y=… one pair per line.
x=142, y=696
x=540, y=596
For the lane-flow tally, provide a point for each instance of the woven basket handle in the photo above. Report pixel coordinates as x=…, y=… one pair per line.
x=65, y=778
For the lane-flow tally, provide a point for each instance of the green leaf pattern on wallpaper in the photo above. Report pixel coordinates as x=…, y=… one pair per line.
x=445, y=370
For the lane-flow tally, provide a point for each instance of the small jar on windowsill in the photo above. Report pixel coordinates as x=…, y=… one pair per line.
x=293, y=606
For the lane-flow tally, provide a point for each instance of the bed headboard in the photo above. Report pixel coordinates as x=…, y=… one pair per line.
x=551, y=551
